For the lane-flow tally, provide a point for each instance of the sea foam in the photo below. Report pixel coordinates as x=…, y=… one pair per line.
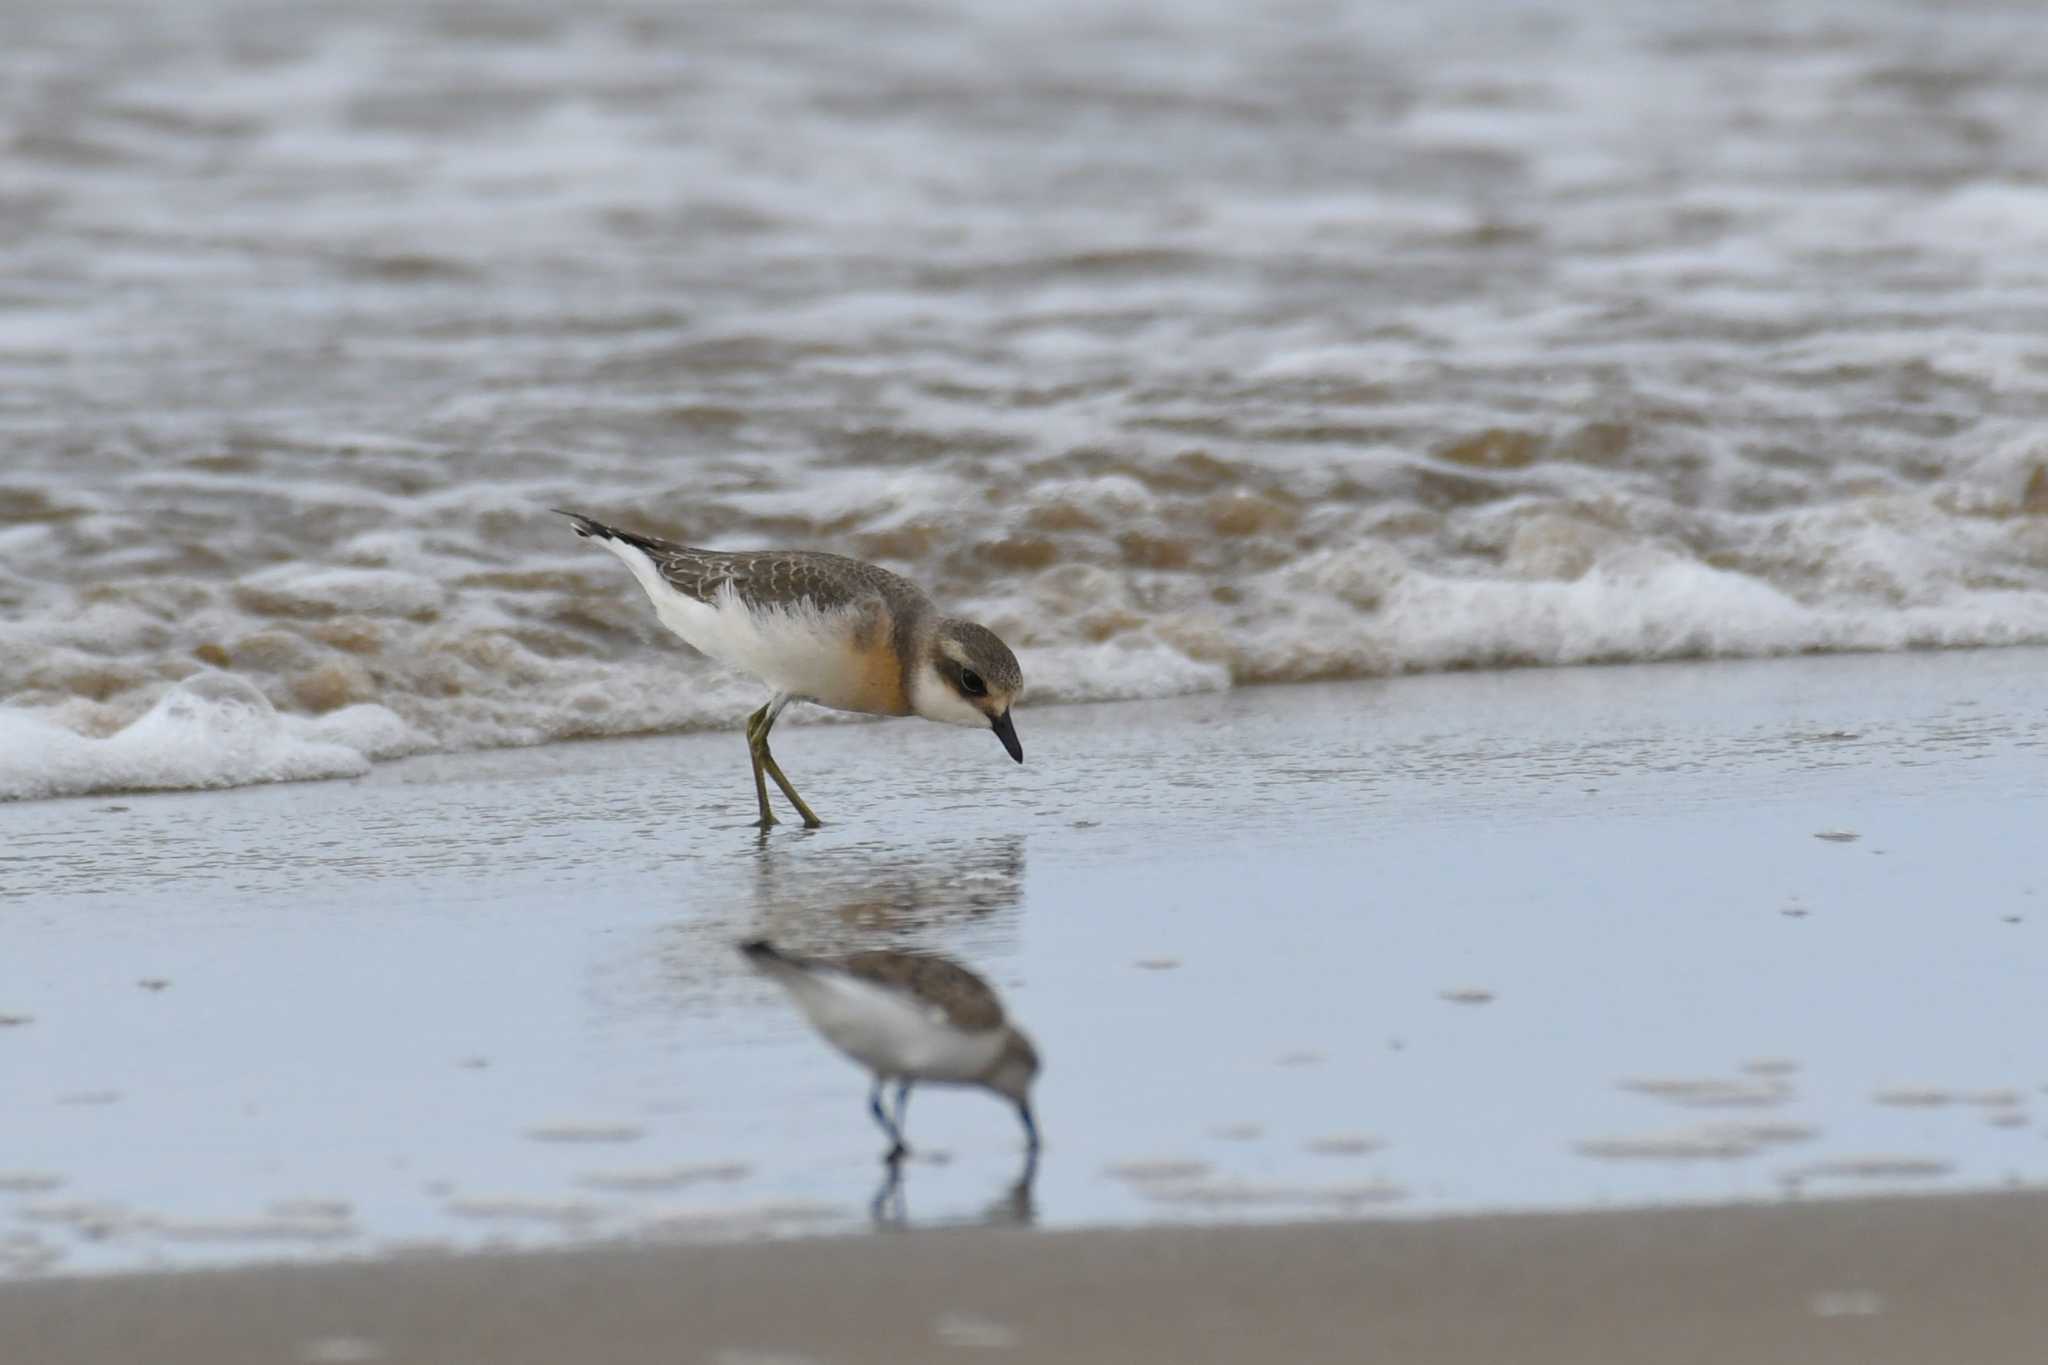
x=211, y=730
x=1182, y=353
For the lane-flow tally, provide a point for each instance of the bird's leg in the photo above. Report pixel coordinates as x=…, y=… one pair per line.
x=811, y=820
x=755, y=748
x=902, y=1107
x=897, y=1151
x=757, y=740
x=1030, y=1130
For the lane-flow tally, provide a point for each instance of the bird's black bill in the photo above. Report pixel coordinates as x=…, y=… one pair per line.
x=1007, y=733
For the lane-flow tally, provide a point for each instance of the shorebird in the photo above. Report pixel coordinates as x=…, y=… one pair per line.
x=909, y=1017
x=826, y=629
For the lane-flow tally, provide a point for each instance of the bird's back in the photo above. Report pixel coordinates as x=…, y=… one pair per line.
x=831, y=629
x=764, y=578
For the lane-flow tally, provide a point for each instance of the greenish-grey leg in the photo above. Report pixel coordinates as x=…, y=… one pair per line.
x=811, y=821
x=756, y=747
x=758, y=738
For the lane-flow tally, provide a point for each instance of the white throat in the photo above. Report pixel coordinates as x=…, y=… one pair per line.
x=932, y=697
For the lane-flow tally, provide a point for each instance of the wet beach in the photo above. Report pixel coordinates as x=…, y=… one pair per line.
x=1512, y=941
x=1849, y=1282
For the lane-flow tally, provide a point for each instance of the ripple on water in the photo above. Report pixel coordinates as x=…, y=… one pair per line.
x=1158, y=1170
x=1770, y=1067
x=1704, y=1142
x=1225, y=1194
x=566, y=1213
x=666, y=1177
x=1709, y=1092
x=1941, y=1097
x=1466, y=995
x=1344, y=1144
x=738, y=1220
x=585, y=1130
x=1868, y=1168
x=260, y=1228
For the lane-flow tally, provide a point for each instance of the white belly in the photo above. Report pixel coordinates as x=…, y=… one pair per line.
x=890, y=1033
x=798, y=650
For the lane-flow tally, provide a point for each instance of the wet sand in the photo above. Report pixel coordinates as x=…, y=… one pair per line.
x=1863, y=1282
x=1443, y=946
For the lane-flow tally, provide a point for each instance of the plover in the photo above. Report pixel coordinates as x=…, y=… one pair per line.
x=826, y=629
x=909, y=1017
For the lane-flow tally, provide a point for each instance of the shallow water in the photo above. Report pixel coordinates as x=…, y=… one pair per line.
x=1186, y=348
x=1547, y=939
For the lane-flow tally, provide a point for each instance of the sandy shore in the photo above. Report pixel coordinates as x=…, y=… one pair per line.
x=1426, y=952
x=1863, y=1282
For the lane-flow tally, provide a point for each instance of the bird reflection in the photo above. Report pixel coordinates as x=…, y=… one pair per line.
x=908, y=1018
x=906, y=1015
x=1016, y=1207
x=850, y=895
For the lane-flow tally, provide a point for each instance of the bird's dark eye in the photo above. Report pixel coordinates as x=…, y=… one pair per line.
x=971, y=683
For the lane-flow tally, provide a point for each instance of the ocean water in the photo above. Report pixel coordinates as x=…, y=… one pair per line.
x=1188, y=345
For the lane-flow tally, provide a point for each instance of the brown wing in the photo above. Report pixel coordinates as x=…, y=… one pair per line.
x=762, y=577
x=777, y=577
x=968, y=1001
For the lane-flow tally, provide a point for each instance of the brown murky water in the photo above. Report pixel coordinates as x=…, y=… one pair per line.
x=1188, y=346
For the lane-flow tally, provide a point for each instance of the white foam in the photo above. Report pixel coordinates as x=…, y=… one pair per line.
x=313, y=589
x=1369, y=610
x=1181, y=408
x=212, y=730
x=369, y=729
x=1999, y=217
x=1118, y=670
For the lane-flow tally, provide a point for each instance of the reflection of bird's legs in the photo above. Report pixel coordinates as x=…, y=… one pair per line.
x=1016, y=1205
x=1030, y=1128
x=888, y=1204
x=897, y=1151
x=758, y=726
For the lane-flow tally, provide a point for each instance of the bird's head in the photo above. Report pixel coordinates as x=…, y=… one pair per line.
x=1016, y=1067
x=969, y=677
